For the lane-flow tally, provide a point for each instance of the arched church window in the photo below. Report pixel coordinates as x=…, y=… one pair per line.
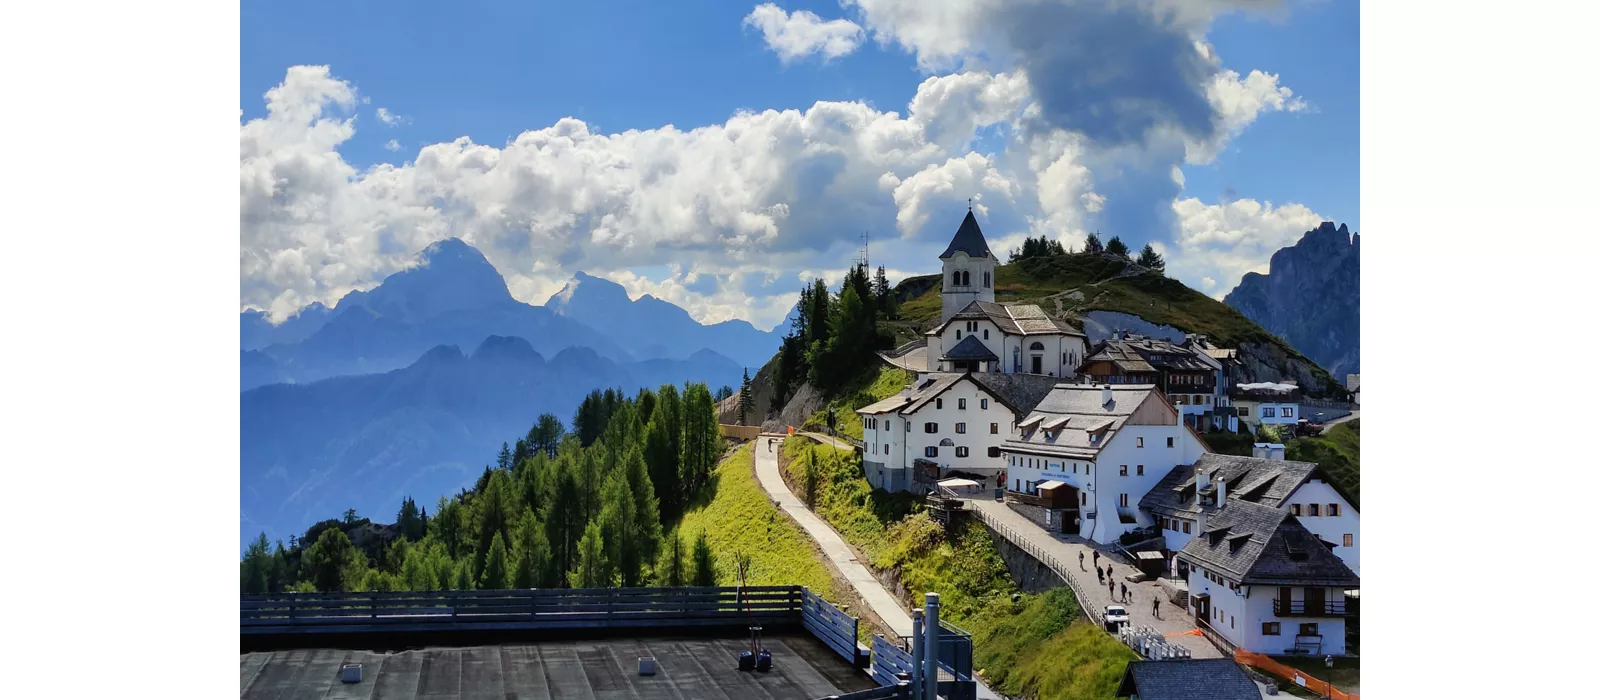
x=1036, y=346
x=985, y=280
x=955, y=279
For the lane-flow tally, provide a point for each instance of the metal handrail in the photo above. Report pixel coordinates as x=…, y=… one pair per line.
x=1049, y=560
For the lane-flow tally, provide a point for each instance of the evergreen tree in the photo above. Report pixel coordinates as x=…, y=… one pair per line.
x=350, y=517
x=1092, y=244
x=645, y=403
x=1115, y=246
x=661, y=450
x=883, y=296
x=701, y=443
x=1151, y=259
x=816, y=317
x=409, y=521
x=617, y=525
x=533, y=553
x=503, y=460
x=255, y=568
x=646, y=527
x=495, y=505
x=672, y=569
x=545, y=435
x=850, y=343
x=590, y=572
x=746, y=399
x=448, y=527
x=463, y=576
x=723, y=392
x=566, y=514
x=415, y=572
x=705, y=563
x=330, y=560
x=496, y=570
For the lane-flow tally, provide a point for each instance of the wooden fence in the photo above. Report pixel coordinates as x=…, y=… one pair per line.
x=1292, y=674
x=889, y=662
x=830, y=625
x=550, y=609
x=740, y=432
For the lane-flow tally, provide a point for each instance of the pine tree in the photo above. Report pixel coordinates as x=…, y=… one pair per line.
x=617, y=518
x=746, y=399
x=496, y=571
x=1092, y=244
x=255, y=567
x=464, y=576
x=662, y=447
x=590, y=572
x=503, y=460
x=545, y=435
x=1115, y=246
x=723, y=392
x=1151, y=259
x=330, y=560
x=533, y=553
x=884, y=299
x=705, y=563
x=672, y=569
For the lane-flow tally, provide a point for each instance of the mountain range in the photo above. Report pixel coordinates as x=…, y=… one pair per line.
x=373, y=399
x=1311, y=297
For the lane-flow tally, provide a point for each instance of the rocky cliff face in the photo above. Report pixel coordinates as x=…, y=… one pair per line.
x=1311, y=297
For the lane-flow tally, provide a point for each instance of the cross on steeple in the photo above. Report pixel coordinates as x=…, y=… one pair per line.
x=969, y=204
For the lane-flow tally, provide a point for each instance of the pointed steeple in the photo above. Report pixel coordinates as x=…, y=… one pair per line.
x=968, y=239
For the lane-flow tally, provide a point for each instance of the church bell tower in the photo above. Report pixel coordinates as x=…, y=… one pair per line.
x=967, y=267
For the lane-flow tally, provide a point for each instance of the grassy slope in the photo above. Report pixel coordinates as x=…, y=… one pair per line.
x=1150, y=296
x=1338, y=451
x=884, y=381
x=1037, y=647
x=740, y=517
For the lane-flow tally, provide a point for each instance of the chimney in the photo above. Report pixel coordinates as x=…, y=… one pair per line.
x=1222, y=492
x=1105, y=395
x=1202, y=479
x=1200, y=522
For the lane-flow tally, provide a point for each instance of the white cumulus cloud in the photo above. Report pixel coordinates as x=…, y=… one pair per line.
x=1217, y=243
x=392, y=145
x=801, y=34
x=390, y=118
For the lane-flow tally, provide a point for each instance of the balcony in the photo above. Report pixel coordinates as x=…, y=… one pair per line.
x=1298, y=608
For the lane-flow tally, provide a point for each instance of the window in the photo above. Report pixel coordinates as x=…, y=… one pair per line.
x=930, y=427
x=961, y=428
x=985, y=334
x=1124, y=471
x=1271, y=629
x=1186, y=527
x=930, y=451
x=1269, y=413
x=938, y=403
x=1288, y=412
x=1349, y=540
x=986, y=280
x=958, y=334
x=1140, y=442
x=961, y=451
x=994, y=452
x=994, y=428
x=1314, y=509
x=1308, y=629
x=961, y=404
x=983, y=404
x=1244, y=411
x=1170, y=442
x=1333, y=510
x=1294, y=509
x=1086, y=469
x=955, y=279
x=1122, y=500
x=1141, y=470
x=1083, y=498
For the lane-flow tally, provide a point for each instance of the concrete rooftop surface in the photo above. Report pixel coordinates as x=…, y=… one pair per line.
x=688, y=668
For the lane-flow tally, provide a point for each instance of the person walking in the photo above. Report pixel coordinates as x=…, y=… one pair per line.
x=1111, y=590
x=1108, y=568
x=1100, y=574
x=1097, y=558
x=1080, y=561
x=1124, y=592
x=1155, y=607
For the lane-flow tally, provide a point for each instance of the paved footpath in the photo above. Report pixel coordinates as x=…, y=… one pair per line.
x=888, y=608
x=1174, y=621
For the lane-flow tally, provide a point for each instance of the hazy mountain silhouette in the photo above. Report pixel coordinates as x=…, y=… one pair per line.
x=1311, y=297
x=309, y=451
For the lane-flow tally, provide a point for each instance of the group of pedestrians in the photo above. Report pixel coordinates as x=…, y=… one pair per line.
x=1103, y=575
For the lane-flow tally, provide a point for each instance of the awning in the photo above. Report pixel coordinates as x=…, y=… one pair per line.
x=959, y=483
x=1049, y=484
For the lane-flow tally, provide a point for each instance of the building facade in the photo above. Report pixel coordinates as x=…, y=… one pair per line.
x=967, y=269
x=1193, y=374
x=1106, y=446
x=1267, y=403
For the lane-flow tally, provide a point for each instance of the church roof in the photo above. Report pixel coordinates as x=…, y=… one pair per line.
x=970, y=348
x=969, y=240
x=1015, y=319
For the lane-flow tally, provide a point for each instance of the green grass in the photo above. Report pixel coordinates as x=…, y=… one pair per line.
x=740, y=518
x=1338, y=451
x=1227, y=443
x=876, y=383
x=1037, y=647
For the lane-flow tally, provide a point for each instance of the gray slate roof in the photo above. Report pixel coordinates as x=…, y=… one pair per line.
x=1022, y=392
x=1187, y=679
x=1133, y=353
x=968, y=239
x=1259, y=545
x=1018, y=392
x=970, y=348
x=1264, y=481
x=1086, y=418
x=1015, y=319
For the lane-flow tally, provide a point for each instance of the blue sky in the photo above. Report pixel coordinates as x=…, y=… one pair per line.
x=491, y=71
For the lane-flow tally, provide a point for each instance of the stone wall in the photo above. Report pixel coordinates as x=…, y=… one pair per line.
x=1031, y=575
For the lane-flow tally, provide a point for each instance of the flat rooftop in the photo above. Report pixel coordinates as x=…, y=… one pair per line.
x=686, y=667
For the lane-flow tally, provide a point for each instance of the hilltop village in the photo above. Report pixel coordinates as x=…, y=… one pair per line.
x=1102, y=442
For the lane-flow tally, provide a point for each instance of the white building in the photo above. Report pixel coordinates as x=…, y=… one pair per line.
x=1190, y=495
x=1267, y=403
x=946, y=424
x=976, y=334
x=1262, y=581
x=1105, y=446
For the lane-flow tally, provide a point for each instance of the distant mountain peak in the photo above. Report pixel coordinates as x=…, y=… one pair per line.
x=499, y=347
x=449, y=276
x=441, y=354
x=1311, y=297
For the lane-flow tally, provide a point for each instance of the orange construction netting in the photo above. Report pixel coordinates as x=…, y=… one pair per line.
x=1292, y=674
